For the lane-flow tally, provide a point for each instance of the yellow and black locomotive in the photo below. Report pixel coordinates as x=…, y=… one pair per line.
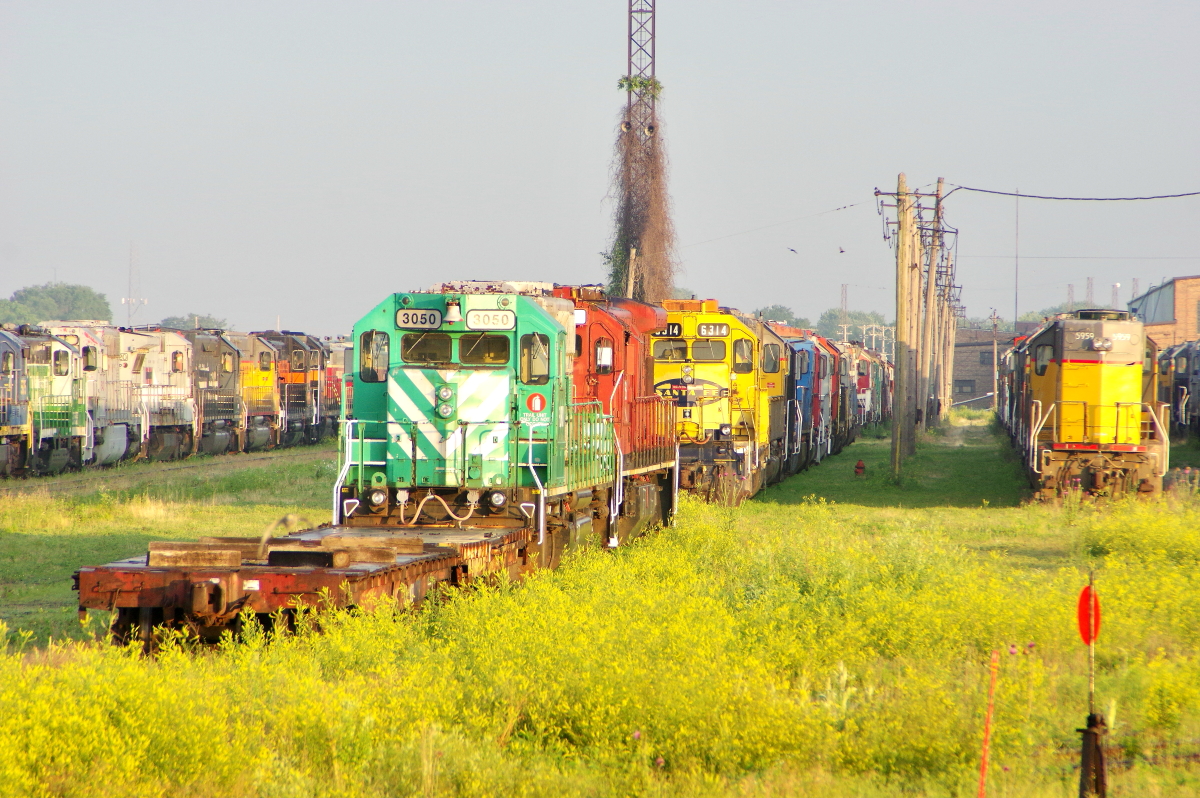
x=1079, y=397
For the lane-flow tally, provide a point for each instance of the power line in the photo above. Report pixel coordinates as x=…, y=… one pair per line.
x=1074, y=199
x=1093, y=257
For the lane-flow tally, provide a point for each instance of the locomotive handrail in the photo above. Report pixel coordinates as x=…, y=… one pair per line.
x=1034, y=459
x=1159, y=426
x=348, y=425
x=537, y=480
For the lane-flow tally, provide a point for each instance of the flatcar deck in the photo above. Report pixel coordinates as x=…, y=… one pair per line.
x=208, y=584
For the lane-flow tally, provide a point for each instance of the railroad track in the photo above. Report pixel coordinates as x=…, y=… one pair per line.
x=234, y=463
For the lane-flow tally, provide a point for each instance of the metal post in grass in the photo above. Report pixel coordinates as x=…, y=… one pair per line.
x=987, y=726
x=1093, y=780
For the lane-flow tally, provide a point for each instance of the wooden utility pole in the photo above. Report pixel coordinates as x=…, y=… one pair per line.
x=930, y=346
x=951, y=315
x=901, y=415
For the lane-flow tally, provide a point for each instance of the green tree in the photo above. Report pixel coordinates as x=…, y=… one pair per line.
x=1049, y=312
x=784, y=314
x=54, y=301
x=829, y=325
x=194, y=321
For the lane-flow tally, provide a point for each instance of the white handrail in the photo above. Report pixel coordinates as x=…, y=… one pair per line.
x=1162, y=435
x=538, y=480
x=348, y=426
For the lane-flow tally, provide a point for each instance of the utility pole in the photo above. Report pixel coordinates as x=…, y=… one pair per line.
x=845, y=332
x=1116, y=296
x=631, y=272
x=1091, y=292
x=902, y=416
x=995, y=354
x=929, y=348
x=1017, y=261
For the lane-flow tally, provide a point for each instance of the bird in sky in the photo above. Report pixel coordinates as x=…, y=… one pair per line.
x=792, y=250
x=841, y=250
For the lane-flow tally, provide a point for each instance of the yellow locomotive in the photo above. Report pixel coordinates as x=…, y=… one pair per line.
x=725, y=372
x=1080, y=400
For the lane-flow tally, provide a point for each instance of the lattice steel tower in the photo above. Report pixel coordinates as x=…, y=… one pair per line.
x=639, y=113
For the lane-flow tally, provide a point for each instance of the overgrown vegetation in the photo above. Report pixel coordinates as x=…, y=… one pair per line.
x=829, y=638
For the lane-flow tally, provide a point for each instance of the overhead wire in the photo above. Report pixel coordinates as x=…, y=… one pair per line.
x=1070, y=199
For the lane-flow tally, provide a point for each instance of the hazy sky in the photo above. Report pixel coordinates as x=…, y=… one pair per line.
x=303, y=159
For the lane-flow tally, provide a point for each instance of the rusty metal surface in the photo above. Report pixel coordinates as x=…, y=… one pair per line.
x=213, y=596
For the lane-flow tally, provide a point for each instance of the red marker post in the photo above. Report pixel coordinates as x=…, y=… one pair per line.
x=1093, y=780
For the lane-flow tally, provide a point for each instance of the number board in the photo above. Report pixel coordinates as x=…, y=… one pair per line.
x=491, y=319
x=712, y=330
x=418, y=319
x=673, y=330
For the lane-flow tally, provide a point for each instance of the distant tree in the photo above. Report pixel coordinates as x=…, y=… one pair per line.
x=194, y=321
x=985, y=323
x=679, y=292
x=1043, y=313
x=829, y=325
x=784, y=314
x=52, y=302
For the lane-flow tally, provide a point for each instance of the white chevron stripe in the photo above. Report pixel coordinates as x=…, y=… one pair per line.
x=498, y=394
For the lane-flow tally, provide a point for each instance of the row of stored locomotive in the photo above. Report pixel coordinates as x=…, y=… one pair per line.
x=86, y=393
x=758, y=401
x=488, y=427
x=1079, y=397
x=488, y=400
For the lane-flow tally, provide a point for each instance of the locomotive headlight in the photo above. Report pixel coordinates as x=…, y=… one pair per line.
x=377, y=497
x=497, y=499
x=445, y=393
x=1102, y=344
x=726, y=430
x=444, y=410
x=687, y=375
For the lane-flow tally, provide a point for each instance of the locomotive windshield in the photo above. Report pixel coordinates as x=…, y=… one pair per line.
x=373, y=356
x=535, y=359
x=425, y=348
x=481, y=349
x=706, y=349
x=743, y=356
x=670, y=349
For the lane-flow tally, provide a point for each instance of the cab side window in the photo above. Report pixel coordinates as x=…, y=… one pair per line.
x=89, y=358
x=62, y=363
x=8, y=363
x=604, y=356
x=535, y=359
x=176, y=362
x=264, y=361
x=1042, y=357
x=771, y=358
x=743, y=356
x=373, y=357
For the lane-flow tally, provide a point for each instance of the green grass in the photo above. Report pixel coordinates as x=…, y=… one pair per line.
x=829, y=638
